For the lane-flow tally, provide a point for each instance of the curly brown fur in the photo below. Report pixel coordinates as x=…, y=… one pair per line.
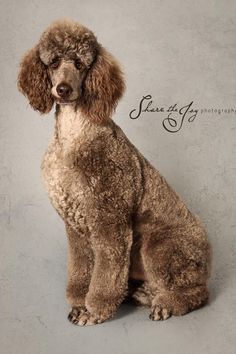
x=102, y=85
x=103, y=88
x=34, y=82
x=129, y=233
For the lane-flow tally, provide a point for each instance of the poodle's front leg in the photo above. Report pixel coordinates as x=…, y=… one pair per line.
x=109, y=282
x=80, y=263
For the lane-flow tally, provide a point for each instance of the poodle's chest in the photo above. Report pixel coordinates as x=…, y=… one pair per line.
x=64, y=187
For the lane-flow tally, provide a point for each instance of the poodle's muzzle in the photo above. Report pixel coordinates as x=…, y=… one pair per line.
x=66, y=81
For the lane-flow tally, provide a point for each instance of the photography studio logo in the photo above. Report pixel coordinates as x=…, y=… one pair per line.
x=174, y=116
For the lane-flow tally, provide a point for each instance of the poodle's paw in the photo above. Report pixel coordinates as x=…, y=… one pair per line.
x=142, y=296
x=75, y=313
x=81, y=317
x=87, y=319
x=158, y=313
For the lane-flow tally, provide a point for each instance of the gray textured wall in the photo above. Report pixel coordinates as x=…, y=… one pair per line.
x=178, y=52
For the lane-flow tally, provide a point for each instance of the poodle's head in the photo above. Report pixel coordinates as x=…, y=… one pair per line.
x=68, y=66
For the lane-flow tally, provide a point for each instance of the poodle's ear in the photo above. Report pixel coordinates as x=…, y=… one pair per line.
x=102, y=88
x=34, y=82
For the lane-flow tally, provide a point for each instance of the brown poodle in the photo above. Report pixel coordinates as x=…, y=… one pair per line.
x=129, y=234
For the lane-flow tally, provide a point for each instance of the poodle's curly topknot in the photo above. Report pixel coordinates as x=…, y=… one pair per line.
x=68, y=38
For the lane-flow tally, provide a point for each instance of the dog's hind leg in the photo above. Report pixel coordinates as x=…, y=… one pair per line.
x=177, y=301
x=176, y=274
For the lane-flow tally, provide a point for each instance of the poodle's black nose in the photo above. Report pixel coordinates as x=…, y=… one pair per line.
x=64, y=90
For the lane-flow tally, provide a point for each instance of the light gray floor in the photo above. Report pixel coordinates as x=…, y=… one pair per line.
x=177, y=51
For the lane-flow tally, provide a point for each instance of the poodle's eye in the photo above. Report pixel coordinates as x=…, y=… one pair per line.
x=55, y=63
x=78, y=64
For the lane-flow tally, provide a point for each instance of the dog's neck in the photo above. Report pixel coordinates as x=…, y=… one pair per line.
x=72, y=126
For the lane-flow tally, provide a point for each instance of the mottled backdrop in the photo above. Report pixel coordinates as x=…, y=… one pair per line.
x=181, y=53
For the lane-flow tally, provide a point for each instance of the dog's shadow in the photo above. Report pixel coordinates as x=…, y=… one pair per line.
x=126, y=308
